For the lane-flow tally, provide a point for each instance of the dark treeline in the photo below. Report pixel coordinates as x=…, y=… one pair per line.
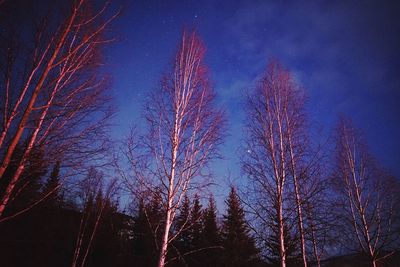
x=71, y=196
x=58, y=231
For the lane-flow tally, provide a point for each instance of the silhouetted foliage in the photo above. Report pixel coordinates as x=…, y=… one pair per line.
x=53, y=187
x=182, y=242
x=293, y=257
x=210, y=236
x=146, y=231
x=28, y=188
x=239, y=246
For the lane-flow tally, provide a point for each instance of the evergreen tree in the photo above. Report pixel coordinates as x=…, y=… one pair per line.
x=188, y=242
x=142, y=237
x=52, y=187
x=106, y=247
x=239, y=246
x=146, y=234
x=211, y=240
x=27, y=189
x=182, y=225
x=293, y=257
x=195, y=223
x=195, y=228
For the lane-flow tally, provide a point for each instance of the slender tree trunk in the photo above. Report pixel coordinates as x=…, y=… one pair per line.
x=164, y=244
x=315, y=248
x=7, y=194
x=9, y=120
x=168, y=222
x=313, y=237
x=300, y=224
x=81, y=232
x=298, y=200
x=282, y=251
x=361, y=209
x=99, y=217
x=21, y=166
x=281, y=179
x=171, y=193
x=355, y=184
x=21, y=127
x=368, y=239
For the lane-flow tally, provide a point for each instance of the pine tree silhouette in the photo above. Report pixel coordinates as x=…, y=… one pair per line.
x=211, y=239
x=182, y=241
x=27, y=189
x=146, y=234
x=293, y=257
x=239, y=246
x=52, y=187
x=193, y=257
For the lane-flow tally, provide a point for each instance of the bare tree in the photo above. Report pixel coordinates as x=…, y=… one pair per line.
x=319, y=220
x=367, y=198
x=96, y=198
x=53, y=97
x=278, y=155
x=185, y=129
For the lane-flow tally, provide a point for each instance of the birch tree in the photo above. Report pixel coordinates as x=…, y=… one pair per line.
x=367, y=197
x=51, y=95
x=185, y=129
x=318, y=218
x=276, y=146
x=96, y=196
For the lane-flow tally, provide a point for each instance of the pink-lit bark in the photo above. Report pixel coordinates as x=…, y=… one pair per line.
x=96, y=198
x=276, y=156
x=266, y=161
x=185, y=130
x=368, y=195
x=51, y=107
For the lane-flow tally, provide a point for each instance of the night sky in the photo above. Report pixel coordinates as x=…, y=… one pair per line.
x=346, y=54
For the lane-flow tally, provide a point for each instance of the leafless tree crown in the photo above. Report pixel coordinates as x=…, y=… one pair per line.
x=52, y=95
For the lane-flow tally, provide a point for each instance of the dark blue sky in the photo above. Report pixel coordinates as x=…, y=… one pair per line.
x=345, y=53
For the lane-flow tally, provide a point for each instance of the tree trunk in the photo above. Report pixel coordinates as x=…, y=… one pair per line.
x=20, y=129
x=282, y=251
x=164, y=245
x=21, y=167
x=313, y=237
x=169, y=212
x=299, y=208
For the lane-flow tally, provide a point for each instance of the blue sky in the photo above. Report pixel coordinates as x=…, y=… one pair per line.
x=346, y=54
